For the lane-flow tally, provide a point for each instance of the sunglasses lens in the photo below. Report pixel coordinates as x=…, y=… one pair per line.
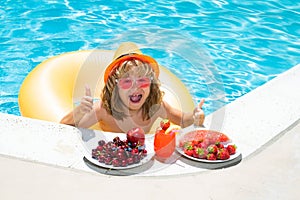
x=143, y=82
x=126, y=83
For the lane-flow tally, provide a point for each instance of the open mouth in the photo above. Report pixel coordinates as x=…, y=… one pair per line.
x=135, y=98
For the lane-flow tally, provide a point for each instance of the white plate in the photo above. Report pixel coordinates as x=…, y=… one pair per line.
x=192, y=128
x=205, y=160
x=90, y=141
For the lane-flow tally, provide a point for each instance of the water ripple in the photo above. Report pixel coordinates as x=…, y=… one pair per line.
x=225, y=48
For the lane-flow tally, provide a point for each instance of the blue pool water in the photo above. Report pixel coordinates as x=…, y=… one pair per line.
x=220, y=49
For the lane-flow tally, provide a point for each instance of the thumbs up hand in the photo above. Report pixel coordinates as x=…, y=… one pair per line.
x=86, y=103
x=199, y=115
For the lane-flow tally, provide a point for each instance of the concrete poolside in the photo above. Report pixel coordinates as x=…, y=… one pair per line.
x=273, y=173
x=265, y=124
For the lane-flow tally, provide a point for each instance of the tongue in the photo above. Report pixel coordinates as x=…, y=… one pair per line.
x=135, y=98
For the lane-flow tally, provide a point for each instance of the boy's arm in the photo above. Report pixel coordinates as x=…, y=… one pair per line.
x=82, y=119
x=73, y=117
x=176, y=116
x=184, y=119
x=92, y=117
x=84, y=114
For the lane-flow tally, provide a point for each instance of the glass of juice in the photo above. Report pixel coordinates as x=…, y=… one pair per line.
x=164, y=143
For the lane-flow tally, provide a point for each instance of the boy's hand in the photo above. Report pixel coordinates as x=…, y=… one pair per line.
x=86, y=104
x=199, y=115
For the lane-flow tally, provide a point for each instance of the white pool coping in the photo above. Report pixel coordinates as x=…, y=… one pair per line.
x=253, y=121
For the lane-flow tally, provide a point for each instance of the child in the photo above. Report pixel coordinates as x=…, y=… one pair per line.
x=131, y=97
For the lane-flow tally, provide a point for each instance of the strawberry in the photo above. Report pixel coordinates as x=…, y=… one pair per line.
x=188, y=146
x=188, y=152
x=211, y=156
x=199, y=153
x=223, y=154
x=219, y=145
x=231, y=149
x=195, y=153
x=165, y=124
x=212, y=149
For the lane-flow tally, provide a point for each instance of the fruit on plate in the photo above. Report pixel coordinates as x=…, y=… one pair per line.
x=119, y=153
x=164, y=139
x=211, y=156
x=223, y=154
x=207, y=144
x=206, y=137
x=212, y=148
x=231, y=149
x=199, y=152
x=136, y=136
x=212, y=152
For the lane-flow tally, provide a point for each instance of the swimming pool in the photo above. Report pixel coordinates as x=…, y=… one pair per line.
x=220, y=49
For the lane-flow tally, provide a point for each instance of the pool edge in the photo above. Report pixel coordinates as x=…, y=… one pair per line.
x=245, y=119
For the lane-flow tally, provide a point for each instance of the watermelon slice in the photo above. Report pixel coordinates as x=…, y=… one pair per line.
x=206, y=136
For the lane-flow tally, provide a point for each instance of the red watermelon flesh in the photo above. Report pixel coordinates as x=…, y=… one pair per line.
x=207, y=136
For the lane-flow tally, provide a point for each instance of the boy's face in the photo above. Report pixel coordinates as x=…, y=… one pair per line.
x=134, y=89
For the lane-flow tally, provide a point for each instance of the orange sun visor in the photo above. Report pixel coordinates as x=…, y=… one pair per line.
x=116, y=63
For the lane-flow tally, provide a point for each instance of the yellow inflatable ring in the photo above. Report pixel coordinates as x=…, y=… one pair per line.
x=51, y=89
